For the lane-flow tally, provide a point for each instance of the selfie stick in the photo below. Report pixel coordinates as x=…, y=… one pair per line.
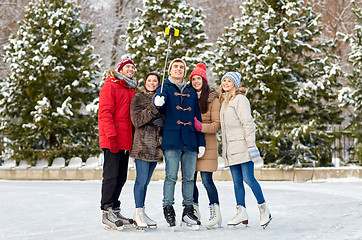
x=171, y=32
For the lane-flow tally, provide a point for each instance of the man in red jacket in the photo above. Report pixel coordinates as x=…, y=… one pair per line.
x=115, y=137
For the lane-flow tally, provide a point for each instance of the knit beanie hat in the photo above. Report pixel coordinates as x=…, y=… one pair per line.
x=177, y=60
x=199, y=70
x=123, y=62
x=234, y=76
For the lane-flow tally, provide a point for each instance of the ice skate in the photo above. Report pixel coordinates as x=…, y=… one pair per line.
x=170, y=217
x=127, y=222
x=150, y=223
x=265, y=216
x=189, y=219
x=240, y=217
x=197, y=211
x=215, y=216
x=139, y=219
x=110, y=220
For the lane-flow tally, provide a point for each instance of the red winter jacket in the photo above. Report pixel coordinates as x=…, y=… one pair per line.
x=114, y=115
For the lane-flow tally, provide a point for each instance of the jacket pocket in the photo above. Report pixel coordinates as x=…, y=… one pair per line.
x=121, y=125
x=237, y=147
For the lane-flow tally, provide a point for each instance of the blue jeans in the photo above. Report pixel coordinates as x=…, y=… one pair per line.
x=144, y=171
x=206, y=178
x=245, y=172
x=188, y=166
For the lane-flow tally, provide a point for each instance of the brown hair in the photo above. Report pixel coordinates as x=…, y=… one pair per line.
x=204, y=96
x=154, y=74
x=111, y=73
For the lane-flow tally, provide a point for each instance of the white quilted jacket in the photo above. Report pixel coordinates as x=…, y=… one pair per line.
x=238, y=130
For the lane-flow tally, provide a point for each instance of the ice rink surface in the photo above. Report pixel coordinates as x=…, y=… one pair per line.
x=70, y=210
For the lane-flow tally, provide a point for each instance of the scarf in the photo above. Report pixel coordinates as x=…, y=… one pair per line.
x=131, y=82
x=181, y=86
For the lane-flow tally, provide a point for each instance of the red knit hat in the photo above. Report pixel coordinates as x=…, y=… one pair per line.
x=123, y=62
x=200, y=70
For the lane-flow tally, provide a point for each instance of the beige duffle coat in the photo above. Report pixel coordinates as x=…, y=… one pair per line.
x=210, y=125
x=238, y=130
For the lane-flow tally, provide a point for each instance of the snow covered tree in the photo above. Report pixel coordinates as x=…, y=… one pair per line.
x=351, y=95
x=52, y=74
x=292, y=79
x=147, y=42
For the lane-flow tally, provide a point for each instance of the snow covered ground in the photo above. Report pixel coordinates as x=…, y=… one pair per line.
x=70, y=210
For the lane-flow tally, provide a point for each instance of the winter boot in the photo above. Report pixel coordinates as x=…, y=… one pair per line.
x=139, y=218
x=197, y=211
x=189, y=218
x=170, y=216
x=149, y=221
x=215, y=216
x=126, y=221
x=110, y=220
x=240, y=217
x=265, y=216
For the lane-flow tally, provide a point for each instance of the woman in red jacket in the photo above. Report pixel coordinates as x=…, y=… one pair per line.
x=115, y=137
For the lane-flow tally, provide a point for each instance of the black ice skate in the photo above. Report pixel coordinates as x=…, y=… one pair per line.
x=189, y=218
x=170, y=216
x=110, y=220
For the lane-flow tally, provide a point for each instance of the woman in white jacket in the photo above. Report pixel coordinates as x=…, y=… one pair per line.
x=238, y=146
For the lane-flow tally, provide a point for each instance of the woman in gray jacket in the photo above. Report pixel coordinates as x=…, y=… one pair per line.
x=146, y=148
x=238, y=146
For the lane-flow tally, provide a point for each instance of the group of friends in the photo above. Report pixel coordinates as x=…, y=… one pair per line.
x=176, y=123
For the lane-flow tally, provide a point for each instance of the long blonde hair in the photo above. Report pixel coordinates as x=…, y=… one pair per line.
x=230, y=95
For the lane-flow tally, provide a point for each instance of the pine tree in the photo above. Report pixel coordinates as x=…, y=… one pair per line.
x=291, y=78
x=351, y=95
x=52, y=73
x=147, y=42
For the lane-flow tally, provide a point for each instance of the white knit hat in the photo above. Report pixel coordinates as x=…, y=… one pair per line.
x=177, y=60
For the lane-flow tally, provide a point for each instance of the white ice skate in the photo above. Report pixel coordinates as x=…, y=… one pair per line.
x=150, y=223
x=139, y=219
x=265, y=216
x=215, y=216
x=240, y=217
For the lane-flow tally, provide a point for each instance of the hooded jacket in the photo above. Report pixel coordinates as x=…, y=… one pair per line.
x=114, y=113
x=238, y=130
x=179, y=111
x=210, y=125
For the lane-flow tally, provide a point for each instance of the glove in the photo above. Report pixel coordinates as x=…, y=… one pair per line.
x=158, y=122
x=201, y=152
x=114, y=144
x=198, y=125
x=159, y=101
x=254, y=154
